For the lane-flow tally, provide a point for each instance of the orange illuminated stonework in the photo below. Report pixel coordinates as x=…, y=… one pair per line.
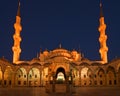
x=59, y=70
x=102, y=39
x=17, y=39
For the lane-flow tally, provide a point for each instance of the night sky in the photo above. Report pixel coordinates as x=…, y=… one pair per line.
x=71, y=23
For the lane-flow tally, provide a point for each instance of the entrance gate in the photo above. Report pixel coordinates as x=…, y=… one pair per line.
x=60, y=82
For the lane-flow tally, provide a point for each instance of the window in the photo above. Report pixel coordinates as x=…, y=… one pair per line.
x=100, y=76
x=110, y=82
x=35, y=76
x=19, y=76
x=0, y=82
x=19, y=82
x=95, y=82
x=84, y=83
x=90, y=76
x=90, y=83
x=25, y=83
x=24, y=76
x=84, y=76
x=95, y=76
x=115, y=82
x=9, y=82
x=101, y=83
x=30, y=76
x=5, y=82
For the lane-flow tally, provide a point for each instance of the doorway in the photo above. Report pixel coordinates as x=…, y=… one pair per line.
x=60, y=76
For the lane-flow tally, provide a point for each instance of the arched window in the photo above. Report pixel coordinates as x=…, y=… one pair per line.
x=8, y=74
x=86, y=77
x=101, y=77
x=111, y=76
x=34, y=77
x=1, y=76
x=21, y=77
x=119, y=76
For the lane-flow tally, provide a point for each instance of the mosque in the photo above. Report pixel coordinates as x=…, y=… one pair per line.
x=59, y=66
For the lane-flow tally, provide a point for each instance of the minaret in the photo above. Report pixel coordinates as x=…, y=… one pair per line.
x=17, y=38
x=103, y=37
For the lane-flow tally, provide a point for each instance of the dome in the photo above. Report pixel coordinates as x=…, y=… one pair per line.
x=74, y=52
x=45, y=52
x=60, y=50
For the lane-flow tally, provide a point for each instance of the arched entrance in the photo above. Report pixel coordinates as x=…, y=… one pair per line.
x=8, y=76
x=34, y=77
x=1, y=74
x=84, y=76
x=59, y=81
x=21, y=77
x=101, y=77
x=60, y=75
x=119, y=76
x=111, y=78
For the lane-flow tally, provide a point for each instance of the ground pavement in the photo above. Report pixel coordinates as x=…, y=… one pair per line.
x=80, y=91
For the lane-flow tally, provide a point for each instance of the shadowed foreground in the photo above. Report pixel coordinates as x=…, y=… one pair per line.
x=80, y=91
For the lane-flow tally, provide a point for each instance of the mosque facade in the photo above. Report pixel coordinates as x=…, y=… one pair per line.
x=59, y=66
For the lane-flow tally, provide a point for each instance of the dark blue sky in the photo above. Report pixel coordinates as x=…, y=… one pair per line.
x=47, y=23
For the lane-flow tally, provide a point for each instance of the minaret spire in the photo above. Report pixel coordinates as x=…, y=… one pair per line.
x=103, y=37
x=101, y=10
x=18, y=12
x=16, y=37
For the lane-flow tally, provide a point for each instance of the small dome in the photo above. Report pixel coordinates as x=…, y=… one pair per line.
x=74, y=52
x=45, y=52
x=60, y=50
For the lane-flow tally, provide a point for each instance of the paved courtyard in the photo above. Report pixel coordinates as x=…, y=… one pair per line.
x=80, y=91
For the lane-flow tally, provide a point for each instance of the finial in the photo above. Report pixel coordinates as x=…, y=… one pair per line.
x=101, y=11
x=18, y=12
x=19, y=2
x=100, y=3
x=40, y=50
x=60, y=45
x=37, y=55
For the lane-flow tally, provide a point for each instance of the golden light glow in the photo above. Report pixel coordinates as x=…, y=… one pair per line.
x=60, y=76
x=102, y=39
x=17, y=39
x=84, y=72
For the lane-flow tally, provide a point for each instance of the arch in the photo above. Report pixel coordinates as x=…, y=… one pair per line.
x=60, y=75
x=60, y=69
x=1, y=74
x=44, y=76
x=101, y=77
x=21, y=77
x=84, y=71
x=84, y=64
x=37, y=64
x=74, y=76
x=90, y=77
x=34, y=77
x=111, y=77
x=60, y=66
x=118, y=76
x=118, y=67
x=8, y=76
x=96, y=64
x=100, y=70
x=86, y=77
x=110, y=68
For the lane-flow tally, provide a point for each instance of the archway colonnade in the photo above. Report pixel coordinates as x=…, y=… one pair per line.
x=84, y=76
x=22, y=77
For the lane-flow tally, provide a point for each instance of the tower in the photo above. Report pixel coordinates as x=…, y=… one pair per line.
x=16, y=37
x=103, y=37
